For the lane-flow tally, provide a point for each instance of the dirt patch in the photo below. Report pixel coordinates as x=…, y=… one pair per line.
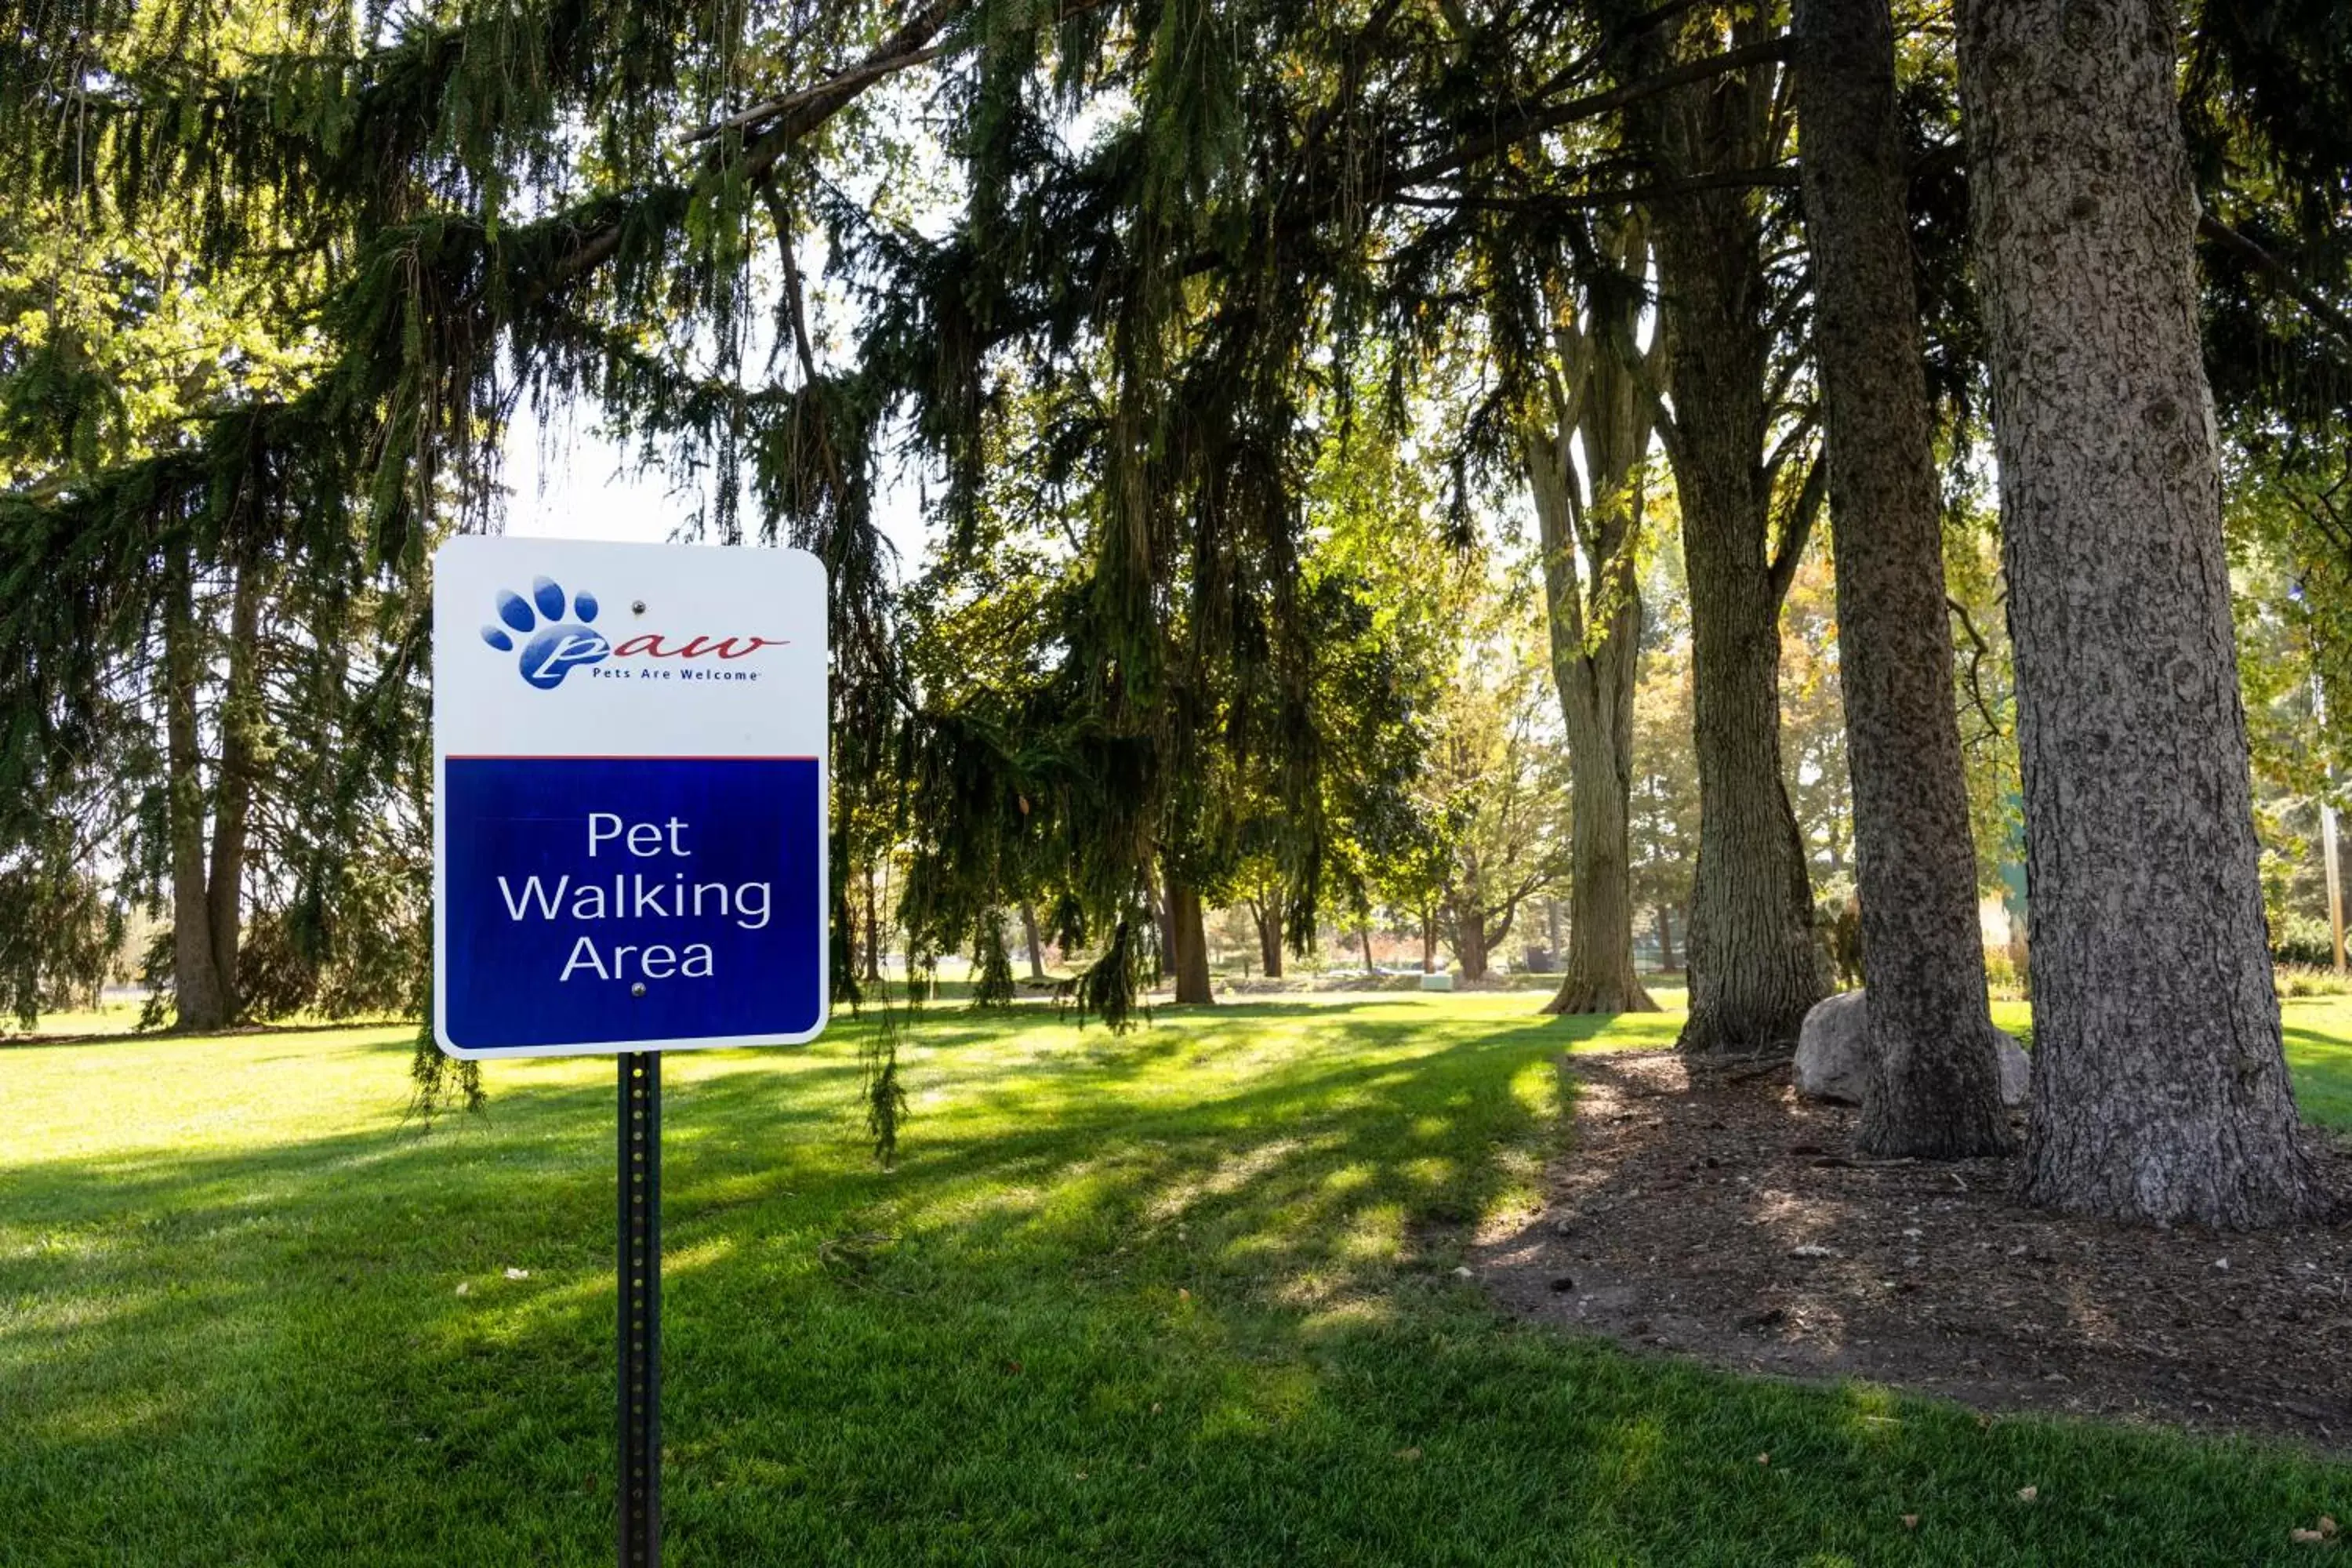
x=1704, y=1209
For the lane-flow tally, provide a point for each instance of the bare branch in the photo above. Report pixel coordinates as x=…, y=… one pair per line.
x=1979, y=651
x=1798, y=527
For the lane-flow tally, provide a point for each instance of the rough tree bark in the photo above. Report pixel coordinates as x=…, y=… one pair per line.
x=1755, y=969
x=2160, y=1091
x=1934, y=1089
x=1190, y=940
x=1593, y=609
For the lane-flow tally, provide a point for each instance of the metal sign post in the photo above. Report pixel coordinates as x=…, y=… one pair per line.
x=640, y=1328
x=629, y=849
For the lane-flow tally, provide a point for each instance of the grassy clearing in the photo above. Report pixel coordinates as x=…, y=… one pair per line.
x=1184, y=1296
x=109, y=1019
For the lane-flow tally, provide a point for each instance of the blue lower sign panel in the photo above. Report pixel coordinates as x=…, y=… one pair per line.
x=627, y=899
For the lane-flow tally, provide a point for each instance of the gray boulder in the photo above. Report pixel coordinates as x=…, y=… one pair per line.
x=2016, y=1070
x=1833, y=1049
x=1833, y=1054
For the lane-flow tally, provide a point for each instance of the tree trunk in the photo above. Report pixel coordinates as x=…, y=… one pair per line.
x=2160, y=1091
x=241, y=727
x=1597, y=397
x=1934, y=1090
x=1190, y=942
x=1667, y=938
x=1428, y=939
x=1755, y=969
x=1268, y=918
x=1163, y=919
x=873, y=929
x=1470, y=941
x=199, y=999
x=1029, y=936
x=1599, y=972
x=1369, y=967
x=843, y=957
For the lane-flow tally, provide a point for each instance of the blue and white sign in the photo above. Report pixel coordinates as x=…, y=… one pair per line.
x=629, y=741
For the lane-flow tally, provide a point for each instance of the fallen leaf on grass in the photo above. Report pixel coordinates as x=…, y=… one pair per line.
x=517, y=1273
x=2027, y=1494
x=1910, y=1521
x=465, y=1287
x=1763, y=1458
x=1408, y=1455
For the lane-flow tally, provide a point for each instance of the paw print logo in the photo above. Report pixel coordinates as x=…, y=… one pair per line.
x=554, y=647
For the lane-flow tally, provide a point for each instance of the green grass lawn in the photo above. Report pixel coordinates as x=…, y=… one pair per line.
x=1180, y=1297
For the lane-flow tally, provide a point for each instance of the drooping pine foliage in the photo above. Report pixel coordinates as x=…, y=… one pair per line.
x=992, y=965
x=2268, y=107
x=278, y=274
x=1174, y=219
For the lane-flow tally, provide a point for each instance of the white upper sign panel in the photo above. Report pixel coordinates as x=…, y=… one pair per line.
x=635, y=650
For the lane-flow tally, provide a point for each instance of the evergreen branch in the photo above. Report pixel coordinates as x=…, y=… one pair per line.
x=1797, y=527
x=2324, y=310
x=1780, y=177
x=1592, y=106
x=1615, y=37
x=911, y=45
x=1789, y=446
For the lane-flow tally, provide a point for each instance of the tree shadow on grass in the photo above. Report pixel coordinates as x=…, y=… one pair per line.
x=1186, y=1296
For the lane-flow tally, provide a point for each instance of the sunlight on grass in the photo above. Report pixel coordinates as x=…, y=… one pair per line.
x=1185, y=1294
x=2319, y=1050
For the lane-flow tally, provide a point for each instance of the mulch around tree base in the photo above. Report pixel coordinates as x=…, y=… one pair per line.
x=1701, y=1209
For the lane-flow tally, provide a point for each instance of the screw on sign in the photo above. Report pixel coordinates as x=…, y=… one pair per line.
x=629, y=849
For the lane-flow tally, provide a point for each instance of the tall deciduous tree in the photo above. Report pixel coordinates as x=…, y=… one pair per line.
x=2161, y=1087
x=1597, y=397
x=1934, y=1088
x=1755, y=967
